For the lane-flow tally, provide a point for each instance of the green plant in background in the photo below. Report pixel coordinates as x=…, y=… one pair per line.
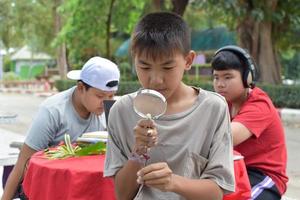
x=291, y=65
x=128, y=87
x=10, y=76
x=125, y=68
x=62, y=85
x=9, y=65
x=281, y=95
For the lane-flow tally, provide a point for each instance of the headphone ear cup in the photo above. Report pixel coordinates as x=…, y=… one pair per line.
x=247, y=79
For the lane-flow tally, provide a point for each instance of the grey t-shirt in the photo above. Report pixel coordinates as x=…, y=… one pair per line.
x=56, y=117
x=196, y=143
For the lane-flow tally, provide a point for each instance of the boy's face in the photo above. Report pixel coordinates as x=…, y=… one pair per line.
x=92, y=99
x=162, y=74
x=229, y=84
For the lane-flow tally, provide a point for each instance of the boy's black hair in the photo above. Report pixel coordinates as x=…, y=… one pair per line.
x=225, y=60
x=87, y=86
x=161, y=34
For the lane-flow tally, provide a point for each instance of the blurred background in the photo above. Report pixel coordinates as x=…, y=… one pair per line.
x=41, y=40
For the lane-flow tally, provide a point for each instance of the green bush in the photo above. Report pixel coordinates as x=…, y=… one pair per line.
x=62, y=85
x=10, y=76
x=128, y=87
x=9, y=65
x=124, y=88
x=282, y=95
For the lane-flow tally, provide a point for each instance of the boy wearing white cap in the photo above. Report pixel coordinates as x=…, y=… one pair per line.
x=74, y=111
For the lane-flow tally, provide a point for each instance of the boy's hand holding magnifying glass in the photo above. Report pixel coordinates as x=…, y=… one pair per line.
x=145, y=136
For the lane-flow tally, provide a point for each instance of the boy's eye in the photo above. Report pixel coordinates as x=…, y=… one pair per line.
x=111, y=96
x=144, y=67
x=168, y=68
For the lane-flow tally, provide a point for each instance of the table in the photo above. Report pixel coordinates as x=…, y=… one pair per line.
x=77, y=178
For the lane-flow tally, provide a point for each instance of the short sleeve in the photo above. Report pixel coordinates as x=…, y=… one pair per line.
x=255, y=115
x=115, y=158
x=220, y=165
x=42, y=130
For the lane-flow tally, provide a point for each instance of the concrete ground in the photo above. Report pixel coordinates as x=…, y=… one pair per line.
x=26, y=105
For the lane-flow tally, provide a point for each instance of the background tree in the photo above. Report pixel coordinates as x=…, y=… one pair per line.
x=32, y=23
x=268, y=28
x=8, y=34
x=89, y=27
x=61, y=50
x=264, y=27
x=176, y=6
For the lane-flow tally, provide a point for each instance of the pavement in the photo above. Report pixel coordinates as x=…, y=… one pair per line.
x=21, y=107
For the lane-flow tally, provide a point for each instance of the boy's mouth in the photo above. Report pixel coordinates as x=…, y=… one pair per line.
x=222, y=93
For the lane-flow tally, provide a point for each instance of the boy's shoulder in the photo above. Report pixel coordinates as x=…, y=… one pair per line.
x=258, y=95
x=212, y=96
x=58, y=99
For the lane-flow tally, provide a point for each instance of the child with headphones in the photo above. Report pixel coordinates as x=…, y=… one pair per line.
x=256, y=126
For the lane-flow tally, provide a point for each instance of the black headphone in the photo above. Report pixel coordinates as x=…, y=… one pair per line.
x=249, y=76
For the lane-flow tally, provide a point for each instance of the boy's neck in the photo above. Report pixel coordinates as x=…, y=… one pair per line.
x=183, y=99
x=80, y=109
x=237, y=104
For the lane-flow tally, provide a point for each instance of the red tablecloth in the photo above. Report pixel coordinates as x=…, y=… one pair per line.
x=242, y=184
x=79, y=178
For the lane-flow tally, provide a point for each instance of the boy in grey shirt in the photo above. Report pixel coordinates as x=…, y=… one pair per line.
x=190, y=145
x=74, y=112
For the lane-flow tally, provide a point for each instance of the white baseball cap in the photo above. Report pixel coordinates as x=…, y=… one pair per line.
x=99, y=73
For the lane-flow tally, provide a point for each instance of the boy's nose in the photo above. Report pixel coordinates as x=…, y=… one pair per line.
x=156, y=79
x=220, y=84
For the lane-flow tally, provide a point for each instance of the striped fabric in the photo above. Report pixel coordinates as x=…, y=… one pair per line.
x=258, y=189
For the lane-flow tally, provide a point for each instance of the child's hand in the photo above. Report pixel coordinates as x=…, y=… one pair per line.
x=157, y=175
x=145, y=136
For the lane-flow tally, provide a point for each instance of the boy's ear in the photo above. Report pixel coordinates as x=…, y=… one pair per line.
x=80, y=86
x=189, y=60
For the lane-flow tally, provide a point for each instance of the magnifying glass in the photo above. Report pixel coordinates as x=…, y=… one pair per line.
x=149, y=104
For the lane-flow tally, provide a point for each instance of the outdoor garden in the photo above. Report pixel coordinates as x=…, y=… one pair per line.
x=43, y=40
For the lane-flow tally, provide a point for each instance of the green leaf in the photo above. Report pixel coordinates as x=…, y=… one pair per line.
x=92, y=149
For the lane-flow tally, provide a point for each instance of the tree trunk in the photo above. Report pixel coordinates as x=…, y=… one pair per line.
x=179, y=6
x=267, y=59
x=158, y=5
x=108, y=26
x=61, y=57
x=257, y=37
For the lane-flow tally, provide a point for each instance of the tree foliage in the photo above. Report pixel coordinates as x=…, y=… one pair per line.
x=265, y=28
x=285, y=18
x=89, y=25
x=26, y=22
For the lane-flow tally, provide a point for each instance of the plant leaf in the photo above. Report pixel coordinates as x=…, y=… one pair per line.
x=92, y=149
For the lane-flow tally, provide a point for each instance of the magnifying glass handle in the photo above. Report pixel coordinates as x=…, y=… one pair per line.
x=146, y=156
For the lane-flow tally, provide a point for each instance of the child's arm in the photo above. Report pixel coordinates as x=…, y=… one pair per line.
x=145, y=138
x=126, y=186
x=17, y=174
x=160, y=176
x=239, y=133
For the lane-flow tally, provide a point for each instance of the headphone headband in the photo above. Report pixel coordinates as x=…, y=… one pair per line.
x=249, y=77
